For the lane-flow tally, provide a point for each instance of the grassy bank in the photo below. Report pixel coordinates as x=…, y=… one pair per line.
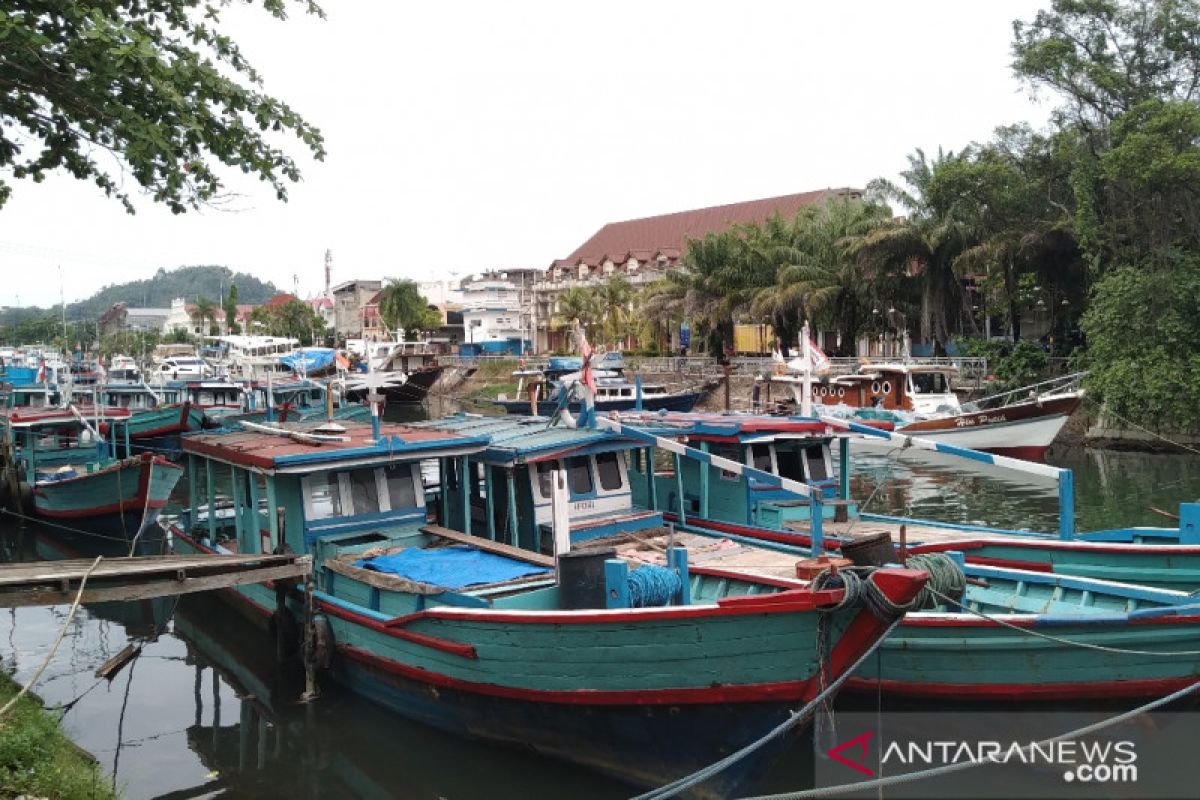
x=36, y=757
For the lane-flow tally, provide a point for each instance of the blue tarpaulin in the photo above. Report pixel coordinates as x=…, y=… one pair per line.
x=453, y=567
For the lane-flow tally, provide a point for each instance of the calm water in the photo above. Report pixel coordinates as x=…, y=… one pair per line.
x=202, y=712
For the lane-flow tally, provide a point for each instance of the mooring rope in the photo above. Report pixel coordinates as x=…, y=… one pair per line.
x=797, y=717
x=866, y=589
x=57, y=641
x=1084, y=645
x=945, y=769
x=1141, y=428
x=946, y=577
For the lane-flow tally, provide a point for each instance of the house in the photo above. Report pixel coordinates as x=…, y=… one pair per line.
x=122, y=317
x=181, y=317
x=348, y=301
x=644, y=249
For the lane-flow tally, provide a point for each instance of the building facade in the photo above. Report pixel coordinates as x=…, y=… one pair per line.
x=349, y=298
x=643, y=250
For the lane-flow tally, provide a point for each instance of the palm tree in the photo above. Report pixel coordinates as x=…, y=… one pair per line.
x=613, y=298
x=921, y=250
x=205, y=312
x=661, y=306
x=577, y=304
x=821, y=275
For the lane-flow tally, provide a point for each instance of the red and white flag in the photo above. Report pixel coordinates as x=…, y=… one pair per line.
x=585, y=351
x=41, y=375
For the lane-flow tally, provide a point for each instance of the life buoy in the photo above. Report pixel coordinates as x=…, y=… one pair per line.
x=887, y=387
x=841, y=391
x=875, y=387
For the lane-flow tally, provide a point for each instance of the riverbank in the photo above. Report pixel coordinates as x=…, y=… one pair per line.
x=36, y=757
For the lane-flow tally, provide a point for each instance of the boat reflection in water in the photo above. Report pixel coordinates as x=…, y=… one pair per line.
x=266, y=744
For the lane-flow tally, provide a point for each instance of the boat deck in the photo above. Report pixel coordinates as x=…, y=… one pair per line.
x=913, y=534
x=650, y=547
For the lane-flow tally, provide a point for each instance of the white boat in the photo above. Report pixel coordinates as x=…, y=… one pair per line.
x=918, y=399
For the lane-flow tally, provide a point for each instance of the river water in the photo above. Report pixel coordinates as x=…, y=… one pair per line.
x=201, y=712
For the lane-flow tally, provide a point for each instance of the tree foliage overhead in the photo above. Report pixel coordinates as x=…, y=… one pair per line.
x=151, y=88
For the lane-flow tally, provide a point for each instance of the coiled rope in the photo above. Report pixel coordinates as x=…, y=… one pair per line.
x=652, y=585
x=946, y=579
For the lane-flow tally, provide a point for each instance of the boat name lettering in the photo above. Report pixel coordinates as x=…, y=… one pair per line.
x=982, y=419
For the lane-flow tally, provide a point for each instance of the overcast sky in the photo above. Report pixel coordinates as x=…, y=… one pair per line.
x=469, y=135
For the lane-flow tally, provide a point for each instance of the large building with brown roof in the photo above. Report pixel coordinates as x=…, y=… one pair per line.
x=643, y=249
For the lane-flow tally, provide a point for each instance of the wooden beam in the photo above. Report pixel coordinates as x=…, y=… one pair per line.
x=144, y=590
x=499, y=548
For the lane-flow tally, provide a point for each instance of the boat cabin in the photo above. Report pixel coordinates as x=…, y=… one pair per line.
x=509, y=486
x=796, y=448
x=918, y=388
x=44, y=442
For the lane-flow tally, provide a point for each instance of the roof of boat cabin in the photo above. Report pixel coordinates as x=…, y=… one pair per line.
x=31, y=417
x=289, y=451
x=514, y=439
x=722, y=427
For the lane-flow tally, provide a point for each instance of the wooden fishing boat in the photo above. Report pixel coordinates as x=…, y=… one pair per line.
x=65, y=464
x=499, y=649
x=917, y=399
x=701, y=494
x=541, y=390
x=1109, y=640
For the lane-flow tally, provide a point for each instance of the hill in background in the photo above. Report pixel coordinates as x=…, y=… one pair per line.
x=157, y=292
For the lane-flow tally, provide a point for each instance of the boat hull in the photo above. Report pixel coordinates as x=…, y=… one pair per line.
x=416, y=388
x=1022, y=430
x=118, y=500
x=966, y=657
x=646, y=696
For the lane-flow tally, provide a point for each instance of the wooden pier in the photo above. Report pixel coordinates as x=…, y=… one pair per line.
x=40, y=583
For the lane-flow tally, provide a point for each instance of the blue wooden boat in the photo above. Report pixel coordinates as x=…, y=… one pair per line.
x=66, y=467
x=703, y=494
x=463, y=625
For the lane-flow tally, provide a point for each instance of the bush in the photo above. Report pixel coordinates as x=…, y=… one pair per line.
x=1142, y=327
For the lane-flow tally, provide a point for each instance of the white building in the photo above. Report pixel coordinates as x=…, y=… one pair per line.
x=492, y=318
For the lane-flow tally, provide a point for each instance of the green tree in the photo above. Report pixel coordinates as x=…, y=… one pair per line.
x=614, y=298
x=154, y=90
x=205, y=313
x=823, y=277
x=1129, y=73
x=230, y=305
x=912, y=258
x=576, y=304
x=402, y=306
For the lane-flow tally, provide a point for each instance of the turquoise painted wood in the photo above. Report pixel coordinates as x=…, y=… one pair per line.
x=646, y=694
x=947, y=652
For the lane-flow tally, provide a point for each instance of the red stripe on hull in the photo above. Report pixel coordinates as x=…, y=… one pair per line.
x=1030, y=453
x=1155, y=687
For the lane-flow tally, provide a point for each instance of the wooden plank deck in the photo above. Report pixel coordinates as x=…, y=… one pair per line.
x=704, y=551
x=57, y=582
x=914, y=534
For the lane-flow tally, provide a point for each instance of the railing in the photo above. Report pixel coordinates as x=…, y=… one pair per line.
x=972, y=372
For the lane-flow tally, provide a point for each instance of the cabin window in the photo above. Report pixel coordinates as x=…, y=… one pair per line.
x=790, y=467
x=815, y=455
x=545, y=469
x=364, y=491
x=929, y=383
x=760, y=457
x=579, y=475
x=731, y=452
x=324, y=497
x=402, y=492
x=608, y=465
